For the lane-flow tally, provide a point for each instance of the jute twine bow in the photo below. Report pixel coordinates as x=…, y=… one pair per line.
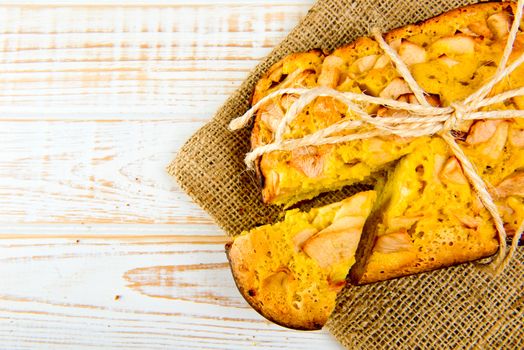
x=420, y=119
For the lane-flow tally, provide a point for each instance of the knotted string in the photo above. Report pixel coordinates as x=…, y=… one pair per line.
x=417, y=120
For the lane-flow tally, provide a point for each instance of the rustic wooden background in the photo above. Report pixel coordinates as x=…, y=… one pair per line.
x=99, y=248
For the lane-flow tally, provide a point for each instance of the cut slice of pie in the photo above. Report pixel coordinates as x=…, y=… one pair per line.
x=292, y=271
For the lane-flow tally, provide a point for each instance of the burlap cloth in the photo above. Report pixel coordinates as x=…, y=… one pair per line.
x=458, y=307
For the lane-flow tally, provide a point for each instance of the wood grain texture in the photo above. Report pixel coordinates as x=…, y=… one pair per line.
x=99, y=248
x=179, y=61
x=106, y=293
x=93, y=172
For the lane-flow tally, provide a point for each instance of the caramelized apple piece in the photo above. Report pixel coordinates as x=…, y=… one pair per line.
x=440, y=160
x=454, y=45
x=382, y=61
x=330, y=73
x=271, y=115
x=338, y=242
x=516, y=137
x=511, y=186
x=468, y=221
x=395, y=88
x=476, y=204
x=495, y=145
x=433, y=100
x=365, y=63
x=272, y=187
x=447, y=61
x=334, y=244
x=357, y=205
x=499, y=24
x=403, y=222
x=277, y=280
x=411, y=53
x=393, y=242
x=480, y=29
x=287, y=100
x=482, y=131
x=300, y=238
x=308, y=160
x=295, y=79
x=452, y=172
x=395, y=44
x=467, y=31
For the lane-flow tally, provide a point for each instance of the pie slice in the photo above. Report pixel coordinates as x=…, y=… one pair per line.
x=292, y=271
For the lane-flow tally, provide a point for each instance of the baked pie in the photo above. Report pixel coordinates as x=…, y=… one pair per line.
x=426, y=214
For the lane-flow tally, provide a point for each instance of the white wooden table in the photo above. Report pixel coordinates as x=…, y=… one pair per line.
x=99, y=248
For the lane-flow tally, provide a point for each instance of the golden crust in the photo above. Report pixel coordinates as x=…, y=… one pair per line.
x=461, y=14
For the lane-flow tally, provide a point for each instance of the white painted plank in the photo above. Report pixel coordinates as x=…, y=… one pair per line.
x=174, y=60
x=103, y=293
x=93, y=172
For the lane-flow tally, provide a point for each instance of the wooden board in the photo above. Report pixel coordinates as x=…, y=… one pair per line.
x=99, y=248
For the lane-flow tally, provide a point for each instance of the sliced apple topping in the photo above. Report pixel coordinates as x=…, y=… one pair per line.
x=357, y=205
x=454, y=45
x=433, y=100
x=296, y=79
x=403, y=222
x=482, y=131
x=272, y=185
x=480, y=29
x=411, y=53
x=511, y=186
x=382, y=61
x=338, y=242
x=447, y=61
x=330, y=73
x=395, y=88
x=277, y=280
x=271, y=115
x=476, y=204
x=495, y=145
x=468, y=221
x=365, y=63
x=287, y=100
x=499, y=24
x=516, y=137
x=334, y=244
x=308, y=160
x=395, y=44
x=393, y=242
x=452, y=172
x=300, y=238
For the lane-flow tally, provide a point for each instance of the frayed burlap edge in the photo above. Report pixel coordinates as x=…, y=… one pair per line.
x=457, y=307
